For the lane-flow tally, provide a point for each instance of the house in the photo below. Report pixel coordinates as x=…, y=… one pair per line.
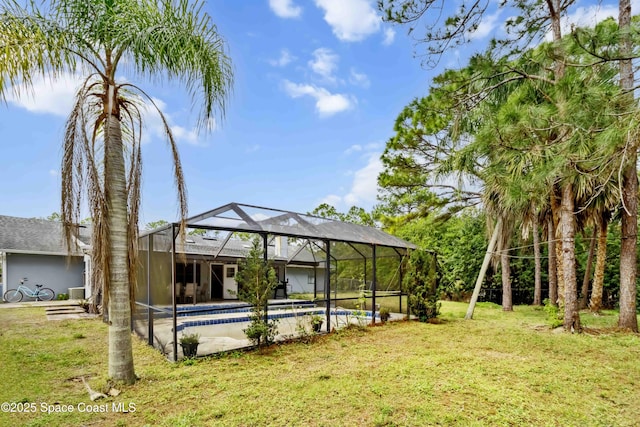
x=35, y=249
x=216, y=260
x=210, y=262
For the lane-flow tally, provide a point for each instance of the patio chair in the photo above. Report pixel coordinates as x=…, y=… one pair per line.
x=190, y=292
x=282, y=286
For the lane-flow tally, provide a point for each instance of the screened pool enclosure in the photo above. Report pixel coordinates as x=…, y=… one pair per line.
x=338, y=270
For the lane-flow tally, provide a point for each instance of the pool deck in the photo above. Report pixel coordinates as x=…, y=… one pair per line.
x=223, y=332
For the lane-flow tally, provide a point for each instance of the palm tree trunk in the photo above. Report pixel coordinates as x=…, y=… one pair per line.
x=601, y=258
x=120, y=350
x=507, y=300
x=537, y=288
x=556, y=211
x=628, y=257
x=553, y=263
x=560, y=272
x=505, y=268
x=584, y=294
x=567, y=228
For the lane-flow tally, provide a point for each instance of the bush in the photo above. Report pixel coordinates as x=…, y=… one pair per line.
x=553, y=314
x=385, y=313
x=420, y=283
x=261, y=332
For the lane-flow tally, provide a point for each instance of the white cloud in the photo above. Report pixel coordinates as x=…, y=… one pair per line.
x=54, y=172
x=285, y=8
x=285, y=59
x=331, y=200
x=359, y=79
x=350, y=20
x=590, y=15
x=486, y=27
x=49, y=96
x=324, y=63
x=389, y=36
x=364, y=188
x=155, y=127
x=327, y=103
x=353, y=149
x=190, y=136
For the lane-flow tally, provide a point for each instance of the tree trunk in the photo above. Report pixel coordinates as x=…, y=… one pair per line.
x=483, y=270
x=628, y=258
x=553, y=263
x=507, y=301
x=601, y=259
x=584, y=294
x=560, y=275
x=120, y=345
x=537, y=288
x=567, y=228
x=556, y=213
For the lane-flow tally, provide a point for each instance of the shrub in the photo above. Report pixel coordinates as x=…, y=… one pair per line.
x=553, y=314
x=385, y=313
x=420, y=283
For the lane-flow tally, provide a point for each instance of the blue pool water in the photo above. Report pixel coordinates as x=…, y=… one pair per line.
x=281, y=315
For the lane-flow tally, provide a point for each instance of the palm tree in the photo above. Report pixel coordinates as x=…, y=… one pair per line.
x=169, y=41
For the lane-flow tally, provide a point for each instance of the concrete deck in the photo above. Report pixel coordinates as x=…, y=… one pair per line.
x=220, y=337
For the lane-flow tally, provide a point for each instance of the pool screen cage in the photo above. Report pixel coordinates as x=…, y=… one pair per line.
x=331, y=265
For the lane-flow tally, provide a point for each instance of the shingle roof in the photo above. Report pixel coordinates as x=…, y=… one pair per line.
x=235, y=248
x=31, y=235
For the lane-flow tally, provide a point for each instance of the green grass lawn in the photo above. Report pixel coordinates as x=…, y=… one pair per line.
x=499, y=369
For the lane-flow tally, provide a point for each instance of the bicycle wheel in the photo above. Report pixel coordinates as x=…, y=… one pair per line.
x=13, y=295
x=45, y=294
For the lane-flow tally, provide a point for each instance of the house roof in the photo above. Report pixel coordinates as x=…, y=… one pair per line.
x=37, y=236
x=238, y=248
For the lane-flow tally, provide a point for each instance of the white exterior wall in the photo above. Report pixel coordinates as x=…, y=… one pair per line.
x=301, y=279
x=3, y=260
x=51, y=271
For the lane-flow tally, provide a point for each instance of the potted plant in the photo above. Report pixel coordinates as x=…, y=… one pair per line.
x=384, y=314
x=189, y=344
x=316, y=322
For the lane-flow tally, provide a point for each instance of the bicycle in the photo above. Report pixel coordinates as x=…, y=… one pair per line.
x=40, y=294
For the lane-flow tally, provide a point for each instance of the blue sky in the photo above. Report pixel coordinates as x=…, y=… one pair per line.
x=318, y=85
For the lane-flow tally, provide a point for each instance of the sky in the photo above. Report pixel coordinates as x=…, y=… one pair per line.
x=318, y=85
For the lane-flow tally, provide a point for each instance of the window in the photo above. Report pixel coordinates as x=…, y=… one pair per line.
x=231, y=272
x=311, y=279
x=184, y=273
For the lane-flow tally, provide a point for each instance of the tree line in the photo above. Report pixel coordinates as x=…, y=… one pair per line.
x=540, y=134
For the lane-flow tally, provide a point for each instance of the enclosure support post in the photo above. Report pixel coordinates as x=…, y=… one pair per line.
x=149, y=301
x=327, y=285
x=173, y=292
x=265, y=259
x=374, y=279
x=483, y=270
x=400, y=275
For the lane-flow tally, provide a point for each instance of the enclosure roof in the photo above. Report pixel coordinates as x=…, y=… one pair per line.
x=256, y=219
